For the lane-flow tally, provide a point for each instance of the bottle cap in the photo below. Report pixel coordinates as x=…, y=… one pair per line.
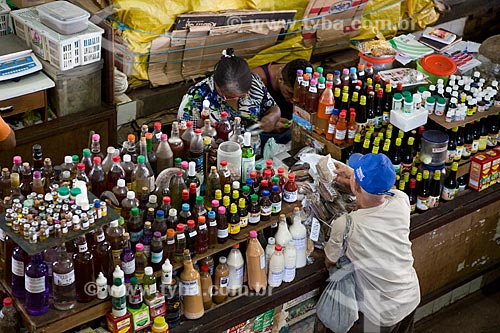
x=116, y=159
x=278, y=248
x=269, y=163
x=275, y=188
x=131, y=137
x=190, y=223
x=148, y=136
x=166, y=199
x=170, y=232
x=185, y=207
x=254, y=197
x=267, y=173
x=157, y=234
x=96, y=137
x=139, y=247
x=134, y=211
x=199, y=200
x=148, y=270
x=291, y=176
x=265, y=193
x=140, y=159
x=197, y=131
x=201, y=219
x=63, y=191
x=223, y=163
x=204, y=268
x=163, y=137
x=184, y=165
x=221, y=210
x=222, y=260
x=236, y=246
x=96, y=160
x=114, y=224
x=246, y=188
x=211, y=214
x=74, y=191
x=160, y=213
x=185, y=194
x=130, y=195
x=180, y=227
x=223, y=114
x=127, y=158
x=252, y=234
x=215, y=203
x=117, y=282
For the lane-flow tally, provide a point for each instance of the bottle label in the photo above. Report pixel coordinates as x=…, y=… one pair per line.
x=244, y=221
x=34, y=285
x=135, y=298
x=118, y=303
x=448, y=194
x=433, y=202
x=450, y=156
x=351, y=133
x=224, y=281
x=201, y=227
x=17, y=267
x=226, y=173
x=147, y=250
x=370, y=122
x=422, y=203
x=150, y=289
x=313, y=89
x=64, y=279
x=212, y=223
x=275, y=278
x=102, y=291
x=331, y=128
x=238, y=275
x=189, y=288
x=82, y=247
x=492, y=140
x=156, y=257
x=262, y=261
x=300, y=243
x=254, y=218
x=459, y=152
x=467, y=150
x=340, y=134
x=413, y=207
x=289, y=274
x=135, y=236
x=116, y=257
x=378, y=122
x=289, y=197
x=475, y=146
x=172, y=241
x=276, y=207
x=315, y=229
x=483, y=142
x=265, y=210
x=193, y=234
x=234, y=229
x=247, y=165
x=100, y=238
x=222, y=233
x=361, y=128
x=128, y=267
x=386, y=117
x=180, y=236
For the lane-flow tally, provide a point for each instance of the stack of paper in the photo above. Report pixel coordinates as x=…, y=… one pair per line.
x=409, y=49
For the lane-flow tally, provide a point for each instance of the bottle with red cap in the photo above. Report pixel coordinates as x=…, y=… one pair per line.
x=115, y=172
x=196, y=150
x=276, y=267
x=264, y=186
x=175, y=141
x=255, y=185
x=180, y=243
x=81, y=175
x=191, y=237
x=165, y=204
x=187, y=137
x=281, y=175
x=185, y=197
x=269, y=166
x=9, y=322
x=351, y=127
x=157, y=133
x=224, y=174
x=267, y=176
x=290, y=190
x=340, y=129
x=97, y=177
x=223, y=127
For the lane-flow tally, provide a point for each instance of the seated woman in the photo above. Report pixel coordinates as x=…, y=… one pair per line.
x=234, y=89
x=279, y=79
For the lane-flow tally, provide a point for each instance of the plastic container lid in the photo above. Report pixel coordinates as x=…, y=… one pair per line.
x=63, y=11
x=439, y=65
x=435, y=136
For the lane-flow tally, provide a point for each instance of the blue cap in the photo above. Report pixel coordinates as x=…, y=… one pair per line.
x=160, y=212
x=374, y=172
x=211, y=214
x=336, y=72
x=185, y=206
x=309, y=70
x=249, y=182
x=265, y=193
x=275, y=188
x=352, y=70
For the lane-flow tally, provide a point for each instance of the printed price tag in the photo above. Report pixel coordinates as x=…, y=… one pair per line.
x=315, y=228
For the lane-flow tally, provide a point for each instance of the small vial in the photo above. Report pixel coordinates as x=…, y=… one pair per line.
x=33, y=235
x=57, y=230
x=76, y=223
x=97, y=209
x=43, y=233
x=408, y=104
x=104, y=209
x=26, y=232
x=85, y=222
x=15, y=226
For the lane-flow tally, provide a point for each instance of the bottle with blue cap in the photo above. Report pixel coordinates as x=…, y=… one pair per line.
x=185, y=214
x=265, y=206
x=160, y=224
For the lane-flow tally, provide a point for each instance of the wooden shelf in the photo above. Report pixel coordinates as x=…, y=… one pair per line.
x=287, y=209
x=478, y=115
x=40, y=246
x=55, y=321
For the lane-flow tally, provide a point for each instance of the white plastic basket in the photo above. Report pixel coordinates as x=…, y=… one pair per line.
x=4, y=19
x=63, y=51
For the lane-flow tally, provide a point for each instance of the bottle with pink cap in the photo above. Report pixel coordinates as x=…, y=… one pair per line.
x=256, y=264
x=95, y=147
x=17, y=164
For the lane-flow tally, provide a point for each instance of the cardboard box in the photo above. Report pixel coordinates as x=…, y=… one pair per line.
x=303, y=118
x=494, y=154
x=140, y=317
x=28, y=3
x=119, y=324
x=192, y=52
x=157, y=306
x=480, y=171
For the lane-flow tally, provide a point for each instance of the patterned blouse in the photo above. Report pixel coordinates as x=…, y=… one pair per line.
x=251, y=107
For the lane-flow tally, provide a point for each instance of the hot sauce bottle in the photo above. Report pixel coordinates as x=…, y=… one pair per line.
x=290, y=190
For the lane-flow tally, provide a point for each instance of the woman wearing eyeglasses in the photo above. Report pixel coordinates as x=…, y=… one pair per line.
x=234, y=89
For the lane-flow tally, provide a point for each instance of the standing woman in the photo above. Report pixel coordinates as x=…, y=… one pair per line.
x=234, y=89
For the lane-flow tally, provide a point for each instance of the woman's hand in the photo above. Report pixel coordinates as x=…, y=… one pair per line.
x=269, y=121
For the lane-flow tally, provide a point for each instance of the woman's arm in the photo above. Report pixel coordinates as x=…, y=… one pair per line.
x=270, y=119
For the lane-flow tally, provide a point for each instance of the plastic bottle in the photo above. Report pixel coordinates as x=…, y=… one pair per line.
x=223, y=127
x=236, y=269
x=271, y=244
x=202, y=238
x=9, y=322
x=118, y=274
x=283, y=235
x=159, y=325
x=164, y=155
x=115, y=173
x=191, y=236
x=37, y=286
x=290, y=189
x=141, y=176
x=102, y=286
x=206, y=287
x=247, y=157
x=118, y=298
x=175, y=141
x=290, y=255
x=221, y=281
x=97, y=177
x=180, y=243
x=299, y=238
x=256, y=264
x=177, y=184
x=191, y=289
x=149, y=283
x=114, y=235
x=276, y=267
x=187, y=137
x=325, y=109
x=196, y=150
x=166, y=272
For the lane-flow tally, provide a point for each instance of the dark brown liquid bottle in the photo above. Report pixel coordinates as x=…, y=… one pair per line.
x=97, y=177
x=84, y=270
x=115, y=173
x=103, y=257
x=202, y=238
x=212, y=229
x=223, y=127
x=191, y=237
x=175, y=141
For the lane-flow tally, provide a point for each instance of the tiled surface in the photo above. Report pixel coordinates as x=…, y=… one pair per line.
x=477, y=312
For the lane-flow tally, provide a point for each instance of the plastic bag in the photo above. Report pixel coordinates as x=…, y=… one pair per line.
x=337, y=307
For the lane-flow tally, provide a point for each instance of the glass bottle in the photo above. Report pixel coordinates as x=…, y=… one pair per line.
x=234, y=224
x=191, y=237
x=222, y=225
x=37, y=186
x=223, y=127
x=170, y=245
x=175, y=141
x=177, y=184
x=27, y=178
x=283, y=235
x=103, y=256
x=423, y=192
x=87, y=160
x=141, y=261
x=202, y=237
x=213, y=184
x=191, y=289
x=180, y=243
x=156, y=251
x=164, y=155
x=208, y=130
x=37, y=286
x=185, y=214
x=135, y=297
x=63, y=285
x=450, y=184
x=19, y=261
x=212, y=229
x=435, y=189
x=127, y=258
x=141, y=176
x=237, y=135
x=290, y=190
x=114, y=235
x=84, y=270
x=95, y=147
x=265, y=206
x=224, y=174
x=221, y=281
x=172, y=219
x=412, y=196
x=97, y=177
x=254, y=210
